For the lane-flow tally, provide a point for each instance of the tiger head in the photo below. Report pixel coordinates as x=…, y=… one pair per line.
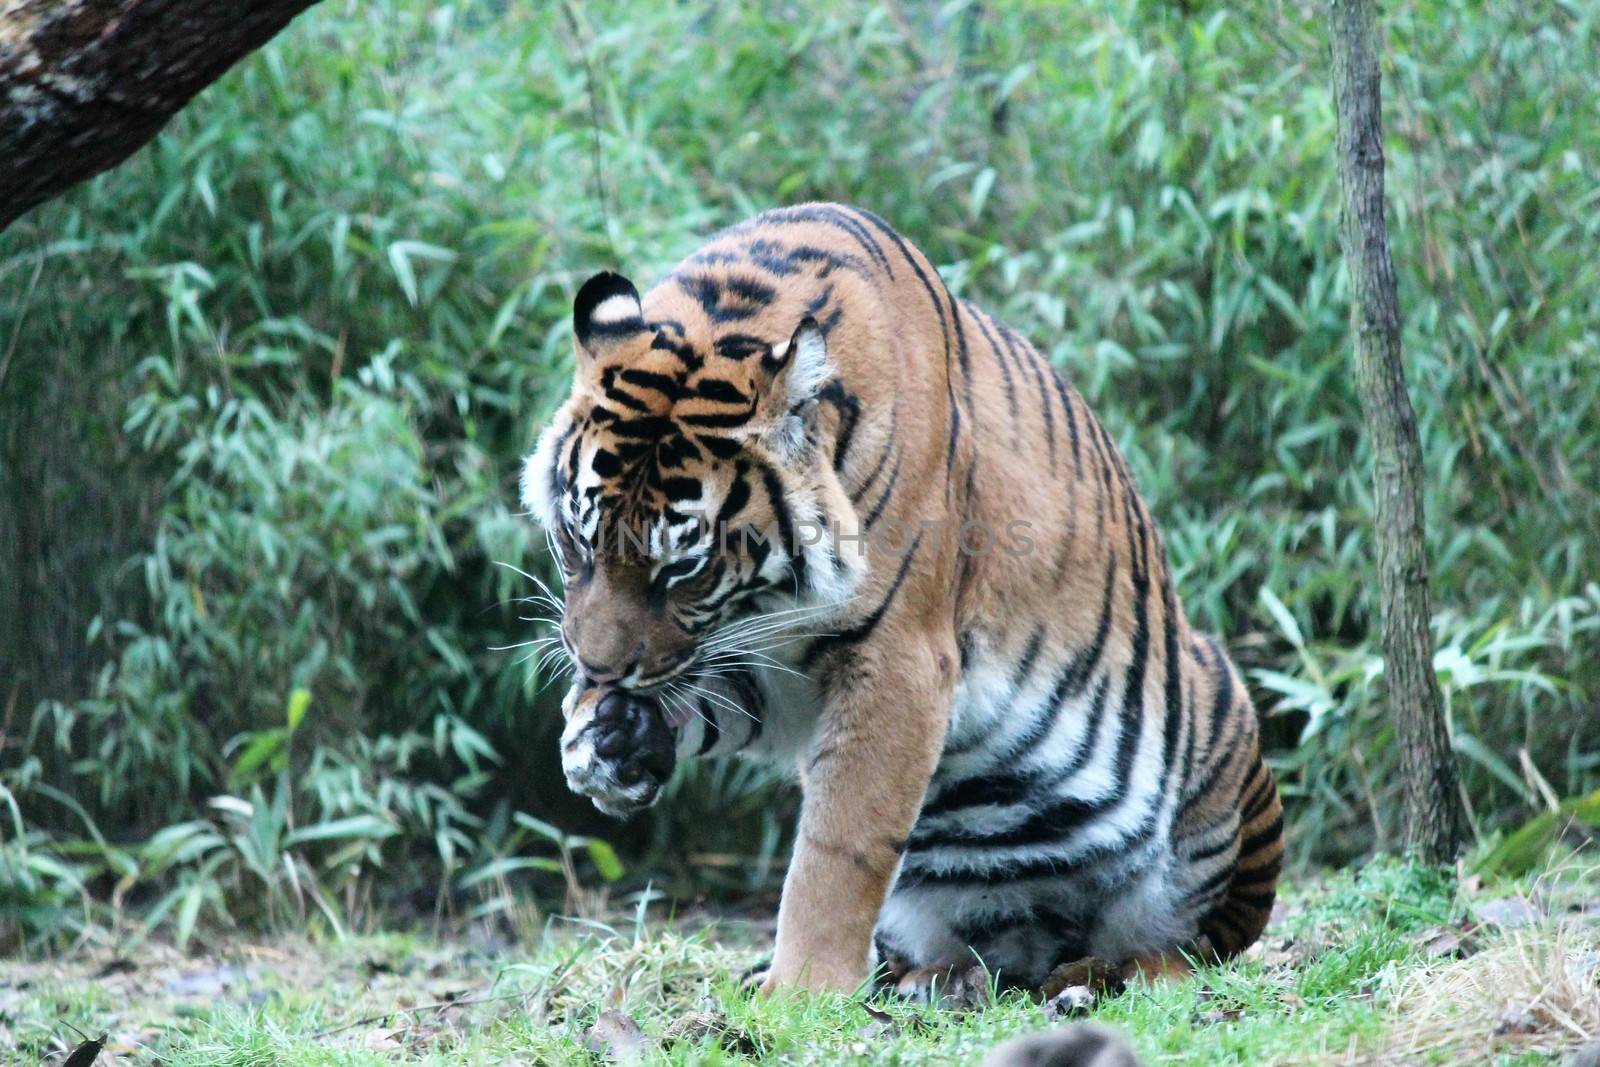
x=684, y=485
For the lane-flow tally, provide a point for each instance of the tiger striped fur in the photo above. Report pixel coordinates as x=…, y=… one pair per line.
x=1025, y=754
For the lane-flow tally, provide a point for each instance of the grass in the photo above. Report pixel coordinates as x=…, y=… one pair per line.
x=1370, y=967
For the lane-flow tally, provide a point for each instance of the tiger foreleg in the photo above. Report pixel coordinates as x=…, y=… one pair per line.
x=884, y=715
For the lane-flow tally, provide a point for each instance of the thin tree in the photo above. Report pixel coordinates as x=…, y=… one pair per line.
x=84, y=83
x=1432, y=806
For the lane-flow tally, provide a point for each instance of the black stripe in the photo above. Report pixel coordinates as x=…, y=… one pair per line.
x=785, y=260
x=1211, y=886
x=740, y=346
x=883, y=457
x=1261, y=838
x=1005, y=371
x=664, y=384
x=1214, y=757
x=712, y=733
x=944, y=332
x=1048, y=822
x=863, y=629
x=1212, y=851
x=914, y=874
x=1013, y=787
x=1173, y=722
x=1133, y=687
x=849, y=409
x=950, y=449
x=1265, y=875
x=738, y=496
x=1030, y=653
x=1258, y=800
x=963, y=358
x=1220, y=922
x=1256, y=901
x=1065, y=392
x=720, y=391
x=1076, y=675
x=731, y=298
x=785, y=523
x=827, y=215
x=883, y=500
x=1046, y=407
x=712, y=421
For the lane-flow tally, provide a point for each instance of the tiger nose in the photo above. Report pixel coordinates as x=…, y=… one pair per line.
x=606, y=674
x=605, y=653
x=616, y=664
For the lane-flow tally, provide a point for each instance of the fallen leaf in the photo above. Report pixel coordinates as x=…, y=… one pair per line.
x=1225, y=1009
x=86, y=1053
x=1449, y=945
x=1097, y=975
x=881, y=1026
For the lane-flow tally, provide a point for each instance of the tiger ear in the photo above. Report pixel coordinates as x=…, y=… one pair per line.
x=798, y=368
x=605, y=311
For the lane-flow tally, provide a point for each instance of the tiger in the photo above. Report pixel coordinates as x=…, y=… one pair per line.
x=810, y=507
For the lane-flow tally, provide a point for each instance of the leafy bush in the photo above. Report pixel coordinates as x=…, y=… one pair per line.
x=265, y=388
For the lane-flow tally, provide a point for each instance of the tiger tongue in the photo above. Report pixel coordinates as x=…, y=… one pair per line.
x=677, y=714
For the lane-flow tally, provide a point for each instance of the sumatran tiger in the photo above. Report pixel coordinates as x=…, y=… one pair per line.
x=810, y=506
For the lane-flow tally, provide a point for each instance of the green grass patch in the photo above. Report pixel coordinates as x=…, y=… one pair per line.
x=1356, y=968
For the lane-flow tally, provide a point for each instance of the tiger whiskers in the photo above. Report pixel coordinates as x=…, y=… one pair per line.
x=554, y=658
x=718, y=698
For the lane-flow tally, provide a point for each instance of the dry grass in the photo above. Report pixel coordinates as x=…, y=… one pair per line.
x=1533, y=990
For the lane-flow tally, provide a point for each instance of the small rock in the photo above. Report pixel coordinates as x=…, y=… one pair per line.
x=695, y=1026
x=385, y=1039
x=1586, y=1056
x=1515, y=1021
x=116, y=965
x=207, y=983
x=1071, y=1002
x=1078, y=1045
x=1508, y=912
x=617, y=1038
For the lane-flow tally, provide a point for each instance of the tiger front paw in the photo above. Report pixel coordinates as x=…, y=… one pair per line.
x=621, y=756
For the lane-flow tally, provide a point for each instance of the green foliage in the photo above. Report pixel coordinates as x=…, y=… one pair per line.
x=264, y=388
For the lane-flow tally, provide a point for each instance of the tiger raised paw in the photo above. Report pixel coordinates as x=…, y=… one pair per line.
x=811, y=508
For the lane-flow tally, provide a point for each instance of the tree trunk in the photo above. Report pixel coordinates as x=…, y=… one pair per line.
x=84, y=83
x=1432, y=813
